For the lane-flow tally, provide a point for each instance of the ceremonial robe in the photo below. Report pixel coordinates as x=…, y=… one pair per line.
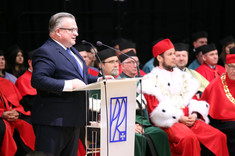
x=10, y=98
x=169, y=96
x=220, y=95
x=210, y=73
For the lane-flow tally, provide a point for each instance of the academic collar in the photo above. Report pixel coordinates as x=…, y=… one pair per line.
x=212, y=67
x=30, y=70
x=123, y=75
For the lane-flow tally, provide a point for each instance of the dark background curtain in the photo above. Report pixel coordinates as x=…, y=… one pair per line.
x=25, y=22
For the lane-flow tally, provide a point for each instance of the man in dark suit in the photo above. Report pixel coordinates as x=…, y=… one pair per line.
x=58, y=112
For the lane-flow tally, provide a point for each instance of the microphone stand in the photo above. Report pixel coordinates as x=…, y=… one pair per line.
x=105, y=90
x=99, y=43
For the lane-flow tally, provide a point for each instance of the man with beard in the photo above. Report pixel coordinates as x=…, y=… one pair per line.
x=109, y=62
x=169, y=94
x=209, y=69
x=145, y=132
x=220, y=95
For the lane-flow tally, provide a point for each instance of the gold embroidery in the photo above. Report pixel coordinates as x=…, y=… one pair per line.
x=227, y=92
x=177, y=98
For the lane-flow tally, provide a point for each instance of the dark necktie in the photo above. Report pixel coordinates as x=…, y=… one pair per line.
x=79, y=67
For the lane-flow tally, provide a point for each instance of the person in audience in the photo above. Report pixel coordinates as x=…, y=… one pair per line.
x=172, y=105
x=15, y=61
x=23, y=84
x=199, y=39
x=83, y=51
x=220, y=94
x=115, y=43
x=145, y=132
x=181, y=57
x=210, y=69
x=109, y=62
x=125, y=46
x=3, y=72
x=148, y=66
x=227, y=43
x=14, y=120
x=91, y=55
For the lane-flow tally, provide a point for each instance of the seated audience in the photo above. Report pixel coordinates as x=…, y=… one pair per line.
x=199, y=39
x=14, y=119
x=170, y=95
x=181, y=53
x=15, y=61
x=210, y=69
x=220, y=95
x=83, y=51
x=23, y=84
x=227, y=43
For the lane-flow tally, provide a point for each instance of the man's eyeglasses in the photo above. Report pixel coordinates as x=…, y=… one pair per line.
x=113, y=62
x=71, y=30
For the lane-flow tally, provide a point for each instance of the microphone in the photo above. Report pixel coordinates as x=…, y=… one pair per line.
x=94, y=49
x=99, y=43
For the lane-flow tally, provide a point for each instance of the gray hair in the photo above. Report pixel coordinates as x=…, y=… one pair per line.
x=55, y=20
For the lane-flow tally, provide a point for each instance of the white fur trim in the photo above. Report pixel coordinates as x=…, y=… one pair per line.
x=170, y=81
x=201, y=107
x=165, y=115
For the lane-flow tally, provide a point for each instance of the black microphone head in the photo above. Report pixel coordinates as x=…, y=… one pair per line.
x=99, y=43
x=83, y=41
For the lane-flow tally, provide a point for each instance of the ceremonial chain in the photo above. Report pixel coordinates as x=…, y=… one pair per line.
x=227, y=92
x=178, y=99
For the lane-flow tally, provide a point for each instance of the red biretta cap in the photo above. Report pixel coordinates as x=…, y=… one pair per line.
x=230, y=58
x=161, y=47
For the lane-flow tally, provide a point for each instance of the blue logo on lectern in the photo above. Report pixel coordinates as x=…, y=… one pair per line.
x=118, y=119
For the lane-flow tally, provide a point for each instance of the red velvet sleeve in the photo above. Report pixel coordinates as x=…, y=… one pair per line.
x=152, y=102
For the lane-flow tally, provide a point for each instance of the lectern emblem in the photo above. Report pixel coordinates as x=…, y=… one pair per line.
x=118, y=119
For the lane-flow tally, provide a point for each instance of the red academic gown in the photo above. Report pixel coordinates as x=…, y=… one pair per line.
x=183, y=140
x=222, y=108
x=10, y=98
x=23, y=83
x=210, y=73
x=92, y=72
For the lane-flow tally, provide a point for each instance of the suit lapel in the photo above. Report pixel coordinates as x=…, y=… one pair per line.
x=70, y=58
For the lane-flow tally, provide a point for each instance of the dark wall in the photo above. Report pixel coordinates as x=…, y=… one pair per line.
x=25, y=22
